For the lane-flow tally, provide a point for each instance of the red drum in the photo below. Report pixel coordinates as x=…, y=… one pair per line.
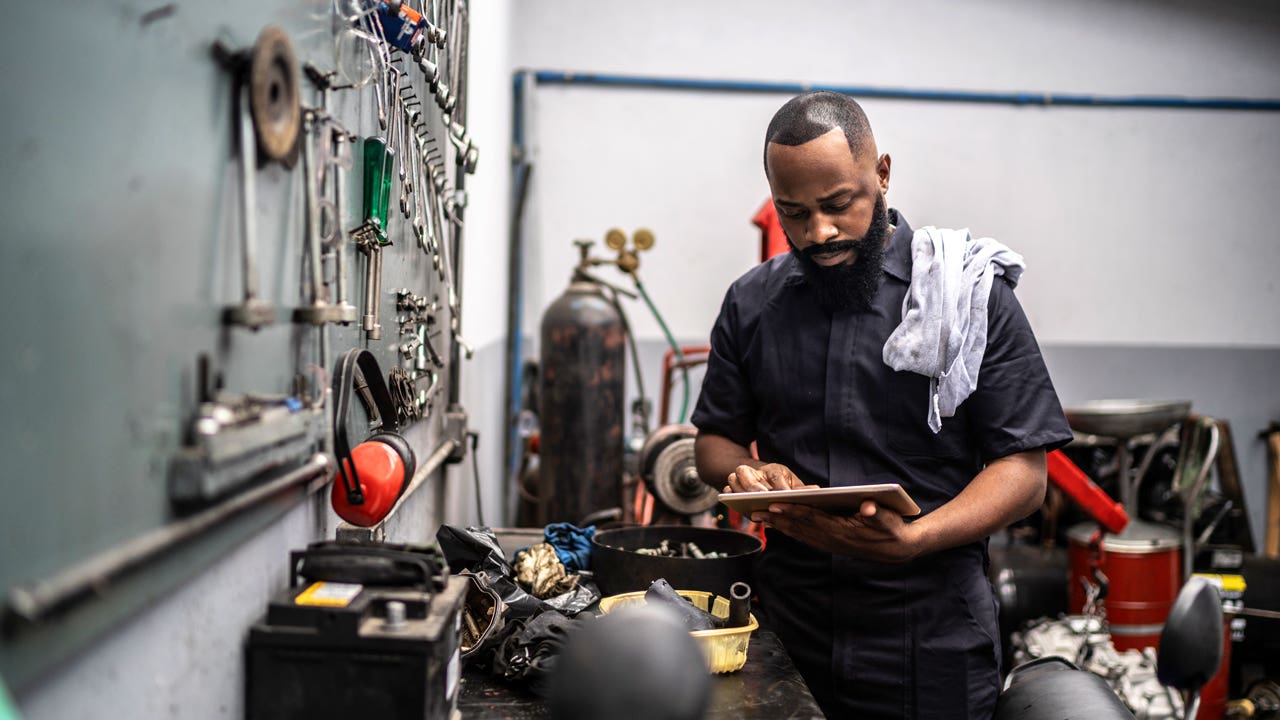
x=1213, y=696
x=1144, y=567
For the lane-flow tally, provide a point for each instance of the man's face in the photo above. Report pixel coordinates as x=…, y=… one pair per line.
x=831, y=207
x=824, y=194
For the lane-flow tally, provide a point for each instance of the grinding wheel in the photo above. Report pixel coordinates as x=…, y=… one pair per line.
x=274, y=100
x=675, y=480
x=659, y=439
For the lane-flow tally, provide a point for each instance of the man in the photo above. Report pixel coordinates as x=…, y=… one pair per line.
x=883, y=617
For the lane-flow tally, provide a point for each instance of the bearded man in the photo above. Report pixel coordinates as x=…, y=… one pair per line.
x=883, y=616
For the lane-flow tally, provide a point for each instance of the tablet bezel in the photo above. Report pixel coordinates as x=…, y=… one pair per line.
x=833, y=499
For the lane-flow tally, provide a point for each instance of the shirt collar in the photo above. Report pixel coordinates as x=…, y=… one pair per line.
x=897, y=256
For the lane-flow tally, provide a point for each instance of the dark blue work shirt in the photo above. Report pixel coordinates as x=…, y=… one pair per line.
x=813, y=391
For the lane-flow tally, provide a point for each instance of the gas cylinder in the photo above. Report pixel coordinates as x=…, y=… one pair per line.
x=581, y=401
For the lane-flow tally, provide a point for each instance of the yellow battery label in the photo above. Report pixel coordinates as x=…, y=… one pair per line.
x=328, y=594
x=1227, y=583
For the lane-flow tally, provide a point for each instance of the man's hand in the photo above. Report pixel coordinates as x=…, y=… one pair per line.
x=1009, y=488
x=874, y=533
x=772, y=476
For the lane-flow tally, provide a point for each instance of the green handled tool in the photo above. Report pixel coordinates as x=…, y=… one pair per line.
x=378, y=163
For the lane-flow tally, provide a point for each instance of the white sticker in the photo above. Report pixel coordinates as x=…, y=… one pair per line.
x=328, y=594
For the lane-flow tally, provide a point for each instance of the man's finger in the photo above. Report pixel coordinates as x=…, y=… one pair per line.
x=752, y=478
x=777, y=479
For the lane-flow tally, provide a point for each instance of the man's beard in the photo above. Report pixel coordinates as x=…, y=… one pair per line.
x=848, y=286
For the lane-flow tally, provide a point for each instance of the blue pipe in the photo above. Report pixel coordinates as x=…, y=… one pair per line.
x=515, y=287
x=555, y=77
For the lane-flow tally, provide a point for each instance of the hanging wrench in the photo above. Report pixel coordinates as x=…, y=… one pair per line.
x=411, y=137
x=420, y=227
x=342, y=160
x=316, y=311
x=468, y=153
x=251, y=312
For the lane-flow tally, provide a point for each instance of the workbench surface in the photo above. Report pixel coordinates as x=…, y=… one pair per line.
x=766, y=688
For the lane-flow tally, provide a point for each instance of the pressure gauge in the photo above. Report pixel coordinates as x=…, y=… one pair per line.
x=643, y=239
x=615, y=239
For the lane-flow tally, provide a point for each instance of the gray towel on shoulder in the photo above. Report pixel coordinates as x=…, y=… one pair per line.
x=943, y=334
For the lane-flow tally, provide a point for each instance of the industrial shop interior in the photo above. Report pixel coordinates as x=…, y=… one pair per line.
x=453, y=360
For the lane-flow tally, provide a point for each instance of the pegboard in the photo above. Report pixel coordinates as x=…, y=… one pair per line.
x=124, y=256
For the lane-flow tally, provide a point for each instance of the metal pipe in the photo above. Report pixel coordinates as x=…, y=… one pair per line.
x=326, y=392
x=1258, y=612
x=312, y=209
x=376, y=332
x=340, y=236
x=455, y=239
x=459, y=116
x=432, y=464
x=521, y=170
x=1046, y=99
x=248, y=243
x=371, y=250
x=1189, y=498
x=33, y=601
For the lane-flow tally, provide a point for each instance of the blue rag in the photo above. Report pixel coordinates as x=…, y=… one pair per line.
x=572, y=544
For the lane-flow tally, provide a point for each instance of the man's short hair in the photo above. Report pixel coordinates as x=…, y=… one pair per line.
x=805, y=117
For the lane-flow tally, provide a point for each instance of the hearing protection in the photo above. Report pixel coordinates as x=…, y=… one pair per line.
x=372, y=476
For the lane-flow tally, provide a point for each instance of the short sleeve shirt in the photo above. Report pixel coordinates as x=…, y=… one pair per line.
x=812, y=388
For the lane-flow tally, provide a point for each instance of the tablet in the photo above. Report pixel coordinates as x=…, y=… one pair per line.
x=833, y=500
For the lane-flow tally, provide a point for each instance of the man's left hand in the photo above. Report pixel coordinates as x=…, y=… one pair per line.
x=873, y=533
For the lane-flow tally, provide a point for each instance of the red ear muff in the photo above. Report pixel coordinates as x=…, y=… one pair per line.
x=381, y=473
x=371, y=477
x=406, y=455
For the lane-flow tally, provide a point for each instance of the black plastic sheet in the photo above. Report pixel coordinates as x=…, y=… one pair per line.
x=530, y=650
x=475, y=550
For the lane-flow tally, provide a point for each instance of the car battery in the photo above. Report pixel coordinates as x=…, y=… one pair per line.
x=362, y=631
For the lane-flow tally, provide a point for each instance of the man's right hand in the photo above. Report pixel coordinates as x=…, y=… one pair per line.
x=772, y=476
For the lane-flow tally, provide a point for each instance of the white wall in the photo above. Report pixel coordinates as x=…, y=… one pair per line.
x=1139, y=226
x=1147, y=232
x=484, y=271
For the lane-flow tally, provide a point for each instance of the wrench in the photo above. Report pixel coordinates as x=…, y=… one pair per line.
x=251, y=312
x=346, y=311
x=316, y=311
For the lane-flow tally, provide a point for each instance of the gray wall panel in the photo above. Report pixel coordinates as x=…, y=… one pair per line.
x=121, y=247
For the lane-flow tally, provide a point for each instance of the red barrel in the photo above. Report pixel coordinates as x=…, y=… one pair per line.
x=1144, y=567
x=1213, y=696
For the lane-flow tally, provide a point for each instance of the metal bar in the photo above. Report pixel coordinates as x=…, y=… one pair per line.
x=455, y=257
x=432, y=464
x=340, y=234
x=1045, y=99
x=33, y=601
x=513, y=390
x=1258, y=612
x=248, y=162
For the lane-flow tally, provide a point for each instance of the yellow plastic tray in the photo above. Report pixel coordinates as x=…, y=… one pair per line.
x=725, y=650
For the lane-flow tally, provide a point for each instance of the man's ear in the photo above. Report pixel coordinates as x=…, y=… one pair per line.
x=882, y=171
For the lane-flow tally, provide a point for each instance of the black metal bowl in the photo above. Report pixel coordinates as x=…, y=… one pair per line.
x=618, y=568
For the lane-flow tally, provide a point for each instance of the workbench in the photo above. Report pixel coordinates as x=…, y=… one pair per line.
x=766, y=688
